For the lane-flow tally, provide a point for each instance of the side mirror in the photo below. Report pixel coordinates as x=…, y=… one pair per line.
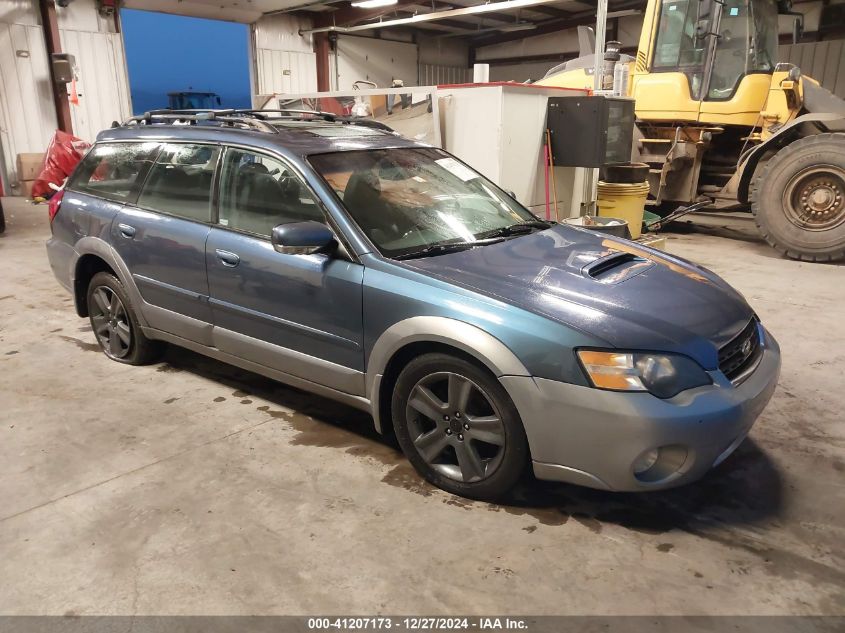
x=302, y=238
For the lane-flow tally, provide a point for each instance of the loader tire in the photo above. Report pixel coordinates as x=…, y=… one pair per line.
x=798, y=200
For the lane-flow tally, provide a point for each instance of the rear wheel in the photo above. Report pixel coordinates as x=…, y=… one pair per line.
x=799, y=199
x=114, y=324
x=458, y=427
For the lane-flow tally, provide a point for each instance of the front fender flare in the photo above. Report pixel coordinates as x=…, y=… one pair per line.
x=826, y=121
x=481, y=345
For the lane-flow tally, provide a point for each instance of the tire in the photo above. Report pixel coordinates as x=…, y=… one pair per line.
x=114, y=323
x=472, y=436
x=798, y=200
x=2, y=219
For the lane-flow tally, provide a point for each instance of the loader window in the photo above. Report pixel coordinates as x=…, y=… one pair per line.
x=675, y=47
x=747, y=43
x=731, y=59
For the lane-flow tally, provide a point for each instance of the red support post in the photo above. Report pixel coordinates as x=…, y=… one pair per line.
x=50, y=26
x=321, y=47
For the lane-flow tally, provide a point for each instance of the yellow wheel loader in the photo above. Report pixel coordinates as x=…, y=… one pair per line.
x=718, y=117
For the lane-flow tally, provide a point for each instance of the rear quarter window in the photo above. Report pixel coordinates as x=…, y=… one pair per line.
x=114, y=170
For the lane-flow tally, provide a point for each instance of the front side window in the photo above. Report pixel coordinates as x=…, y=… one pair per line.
x=409, y=199
x=180, y=181
x=747, y=43
x=764, y=41
x=676, y=47
x=114, y=170
x=730, y=62
x=258, y=192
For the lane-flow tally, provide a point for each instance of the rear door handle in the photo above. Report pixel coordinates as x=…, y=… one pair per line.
x=227, y=258
x=126, y=231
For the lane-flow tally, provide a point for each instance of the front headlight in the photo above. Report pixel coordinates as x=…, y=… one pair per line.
x=663, y=375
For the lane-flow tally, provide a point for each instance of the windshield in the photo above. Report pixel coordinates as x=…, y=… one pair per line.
x=410, y=199
x=747, y=43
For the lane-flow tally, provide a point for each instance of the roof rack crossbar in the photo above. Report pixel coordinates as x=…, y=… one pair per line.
x=290, y=113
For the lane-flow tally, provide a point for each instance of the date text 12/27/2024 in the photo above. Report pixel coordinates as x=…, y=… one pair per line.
x=417, y=623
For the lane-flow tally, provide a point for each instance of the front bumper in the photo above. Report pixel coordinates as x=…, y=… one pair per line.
x=593, y=437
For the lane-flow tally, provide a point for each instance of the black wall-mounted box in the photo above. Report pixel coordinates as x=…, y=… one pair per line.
x=590, y=131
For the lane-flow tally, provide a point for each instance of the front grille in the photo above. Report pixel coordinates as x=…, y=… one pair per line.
x=741, y=352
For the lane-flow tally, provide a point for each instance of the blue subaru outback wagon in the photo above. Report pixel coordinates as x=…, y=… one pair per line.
x=384, y=273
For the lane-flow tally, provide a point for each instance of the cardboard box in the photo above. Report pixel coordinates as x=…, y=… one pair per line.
x=29, y=166
x=25, y=188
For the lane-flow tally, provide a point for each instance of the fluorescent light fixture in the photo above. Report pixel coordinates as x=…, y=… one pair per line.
x=372, y=4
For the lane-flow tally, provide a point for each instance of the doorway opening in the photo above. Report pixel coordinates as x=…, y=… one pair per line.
x=185, y=62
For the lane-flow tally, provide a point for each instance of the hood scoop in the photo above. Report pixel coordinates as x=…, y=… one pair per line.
x=615, y=268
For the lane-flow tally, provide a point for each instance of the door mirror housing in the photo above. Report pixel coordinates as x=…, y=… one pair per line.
x=303, y=238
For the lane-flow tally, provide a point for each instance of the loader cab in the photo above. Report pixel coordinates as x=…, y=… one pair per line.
x=192, y=100
x=708, y=61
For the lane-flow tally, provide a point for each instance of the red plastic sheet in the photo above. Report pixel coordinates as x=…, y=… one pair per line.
x=63, y=154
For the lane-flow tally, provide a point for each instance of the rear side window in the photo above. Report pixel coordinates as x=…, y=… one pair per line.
x=180, y=181
x=114, y=170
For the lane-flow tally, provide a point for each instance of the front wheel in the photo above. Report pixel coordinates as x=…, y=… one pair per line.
x=458, y=427
x=798, y=200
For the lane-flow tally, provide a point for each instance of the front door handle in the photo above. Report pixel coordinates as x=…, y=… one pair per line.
x=227, y=258
x=126, y=231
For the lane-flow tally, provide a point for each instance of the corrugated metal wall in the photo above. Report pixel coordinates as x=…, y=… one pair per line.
x=433, y=75
x=27, y=112
x=823, y=61
x=102, y=84
x=285, y=61
x=285, y=71
x=377, y=60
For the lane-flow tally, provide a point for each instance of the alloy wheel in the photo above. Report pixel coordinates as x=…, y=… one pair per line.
x=455, y=427
x=110, y=321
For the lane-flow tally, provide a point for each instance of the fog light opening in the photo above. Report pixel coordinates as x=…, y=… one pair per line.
x=657, y=465
x=646, y=461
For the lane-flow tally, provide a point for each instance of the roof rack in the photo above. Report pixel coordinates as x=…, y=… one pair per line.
x=224, y=118
x=260, y=120
x=249, y=117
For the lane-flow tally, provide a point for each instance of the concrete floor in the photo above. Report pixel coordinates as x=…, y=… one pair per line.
x=190, y=487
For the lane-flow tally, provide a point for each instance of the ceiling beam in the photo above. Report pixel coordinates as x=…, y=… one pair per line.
x=503, y=17
x=584, y=18
x=552, y=12
x=347, y=14
x=479, y=9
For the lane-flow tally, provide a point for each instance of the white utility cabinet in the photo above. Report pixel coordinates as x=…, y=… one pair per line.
x=499, y=130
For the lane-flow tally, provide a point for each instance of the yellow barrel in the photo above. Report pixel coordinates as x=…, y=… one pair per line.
x=625, y=201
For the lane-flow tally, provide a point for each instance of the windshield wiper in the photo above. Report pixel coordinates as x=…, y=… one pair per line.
x=442, y=249
x=517, y=229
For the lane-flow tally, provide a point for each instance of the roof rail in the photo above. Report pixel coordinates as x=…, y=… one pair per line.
x=226, y=118
x=260, y=120
x=291, y=113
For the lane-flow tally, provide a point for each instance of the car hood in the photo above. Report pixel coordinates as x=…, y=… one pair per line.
x=631, y=296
